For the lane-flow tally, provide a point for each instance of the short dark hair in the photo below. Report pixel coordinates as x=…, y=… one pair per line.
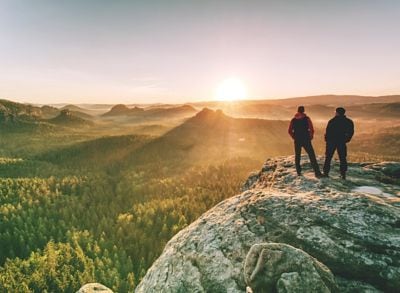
x=300, y=109
x=340, y=110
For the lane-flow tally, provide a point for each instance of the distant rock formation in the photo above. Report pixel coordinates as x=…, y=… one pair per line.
x=122, y=109
x=332, y=227
x=72, y=107
x=153, y=112
x=207, y=113
x=69, y=118
x=184, y=110
x=94, y=288
x=77, y=111
x=12, y=112
x=49, y=112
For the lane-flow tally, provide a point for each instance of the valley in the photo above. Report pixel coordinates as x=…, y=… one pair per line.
x=94, y=192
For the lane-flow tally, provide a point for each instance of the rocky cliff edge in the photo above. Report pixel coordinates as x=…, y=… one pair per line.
x=296, y=232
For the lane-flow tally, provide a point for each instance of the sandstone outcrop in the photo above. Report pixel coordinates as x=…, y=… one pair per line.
x=349, y=228
x=94, y=288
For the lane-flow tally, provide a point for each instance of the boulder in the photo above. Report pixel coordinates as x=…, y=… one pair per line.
x=94, y=288
x=278, y=267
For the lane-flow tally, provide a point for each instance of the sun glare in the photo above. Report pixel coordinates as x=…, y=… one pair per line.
x=231, y=89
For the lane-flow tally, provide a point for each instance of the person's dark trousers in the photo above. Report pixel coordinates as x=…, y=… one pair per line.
x=306, y=144
x=342, y=152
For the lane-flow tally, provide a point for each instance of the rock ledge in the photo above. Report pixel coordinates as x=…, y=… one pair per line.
x=353, y=234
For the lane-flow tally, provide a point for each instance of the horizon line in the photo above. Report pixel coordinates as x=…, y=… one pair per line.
x=199, y=101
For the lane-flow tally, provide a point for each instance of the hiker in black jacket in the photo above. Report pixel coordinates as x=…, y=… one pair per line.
x=302, y=131
x=339, y=131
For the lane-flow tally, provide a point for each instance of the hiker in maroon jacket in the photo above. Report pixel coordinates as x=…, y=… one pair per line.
x=302, y=131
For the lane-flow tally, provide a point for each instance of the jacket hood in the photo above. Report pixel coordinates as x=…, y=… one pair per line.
x=299, y=115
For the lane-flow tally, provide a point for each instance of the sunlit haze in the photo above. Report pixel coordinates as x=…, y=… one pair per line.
x=98, y=51
x=231, y=89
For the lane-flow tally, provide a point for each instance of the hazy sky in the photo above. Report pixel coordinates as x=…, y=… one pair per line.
x=174, y=51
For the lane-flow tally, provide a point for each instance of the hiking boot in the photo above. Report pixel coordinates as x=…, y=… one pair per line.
x=343, y=176
x=325, y=175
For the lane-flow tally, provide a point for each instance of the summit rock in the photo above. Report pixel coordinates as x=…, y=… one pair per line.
x=347, y=233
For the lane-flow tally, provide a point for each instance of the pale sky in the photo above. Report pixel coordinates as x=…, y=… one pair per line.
x=103, y=51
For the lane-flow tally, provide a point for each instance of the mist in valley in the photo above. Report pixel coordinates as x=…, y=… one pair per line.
x=108, y=186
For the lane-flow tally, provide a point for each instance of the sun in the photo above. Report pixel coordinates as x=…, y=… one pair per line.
x=231, y=89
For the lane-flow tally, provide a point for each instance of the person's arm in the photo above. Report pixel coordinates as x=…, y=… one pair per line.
x=328, y=129
x=290, y=130
x=310, y=128
x=350, y=131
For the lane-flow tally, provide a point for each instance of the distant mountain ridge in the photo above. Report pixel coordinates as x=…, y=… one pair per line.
x=209, y=136
x=321, y=107
x=329, y=100
x=213, y=136
x=13, y=111
x=123, y=110
x=343, y=100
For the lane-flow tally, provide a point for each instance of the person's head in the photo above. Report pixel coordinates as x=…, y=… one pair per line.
x=300, y=109
x=340, y=111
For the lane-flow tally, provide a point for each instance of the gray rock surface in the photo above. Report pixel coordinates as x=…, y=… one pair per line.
x=94, y=288
x=355, y=234
x=278, y=267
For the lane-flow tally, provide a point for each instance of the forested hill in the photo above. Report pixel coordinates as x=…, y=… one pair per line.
x=212, y=136
x=95, y=211
x=98, y=153
x=14, y=114
x=150, y=112
x=208, y=137
x=69, y=118
x=97, y=203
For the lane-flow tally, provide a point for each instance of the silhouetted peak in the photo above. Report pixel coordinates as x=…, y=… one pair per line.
x=219, y=112
x=187, y=108
x=137, y=109
x=46, y=108
x=119, y=108
x=209, y=113
x=68, y=117
x=65, y=113
x=71, y=107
